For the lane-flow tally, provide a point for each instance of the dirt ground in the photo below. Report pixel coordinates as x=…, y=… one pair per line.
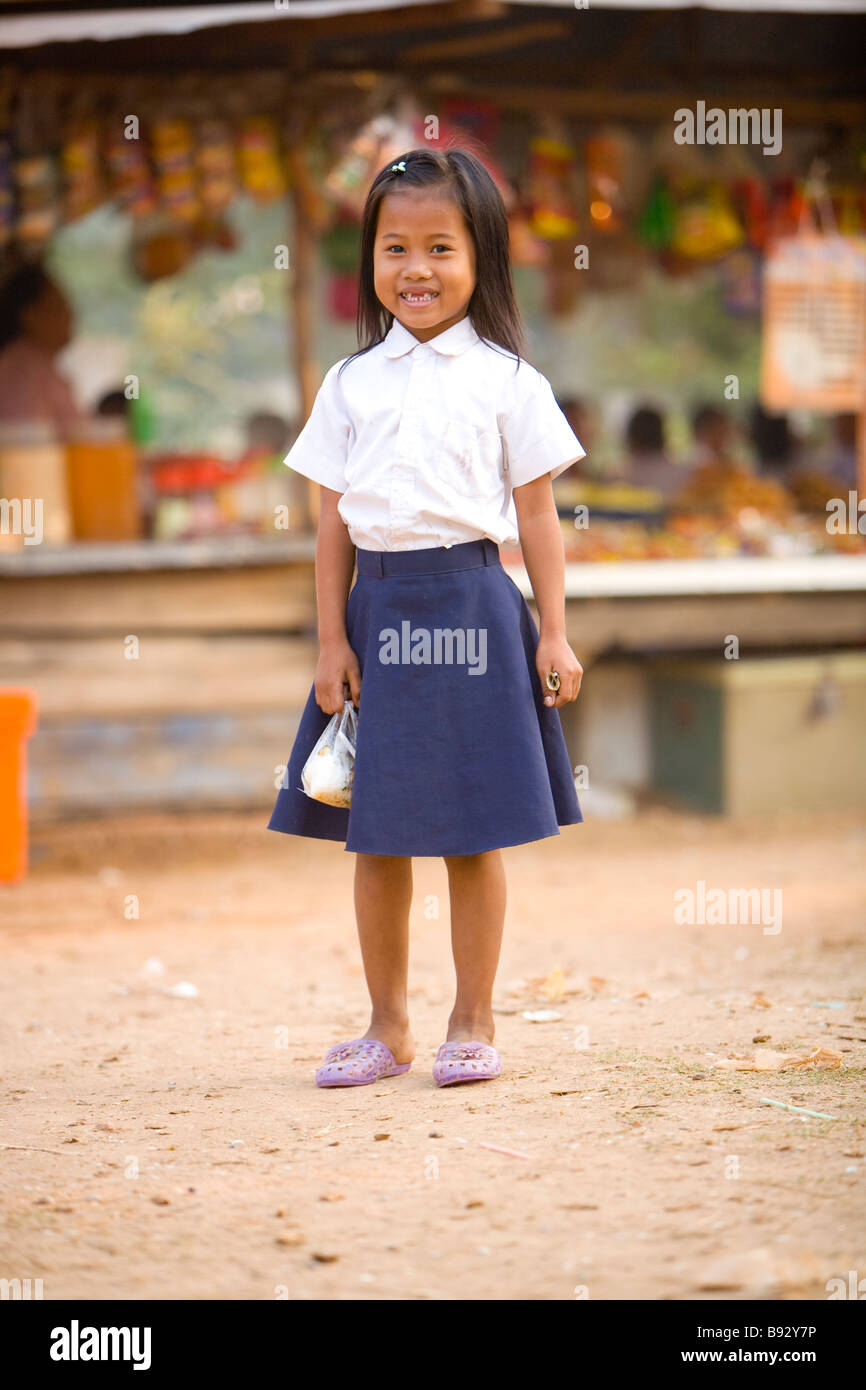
x=168, y=1146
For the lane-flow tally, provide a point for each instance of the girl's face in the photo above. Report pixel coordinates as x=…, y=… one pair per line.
x=423, y=250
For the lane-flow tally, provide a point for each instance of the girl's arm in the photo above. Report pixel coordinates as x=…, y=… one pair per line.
x=337, y=665
x=544, y=557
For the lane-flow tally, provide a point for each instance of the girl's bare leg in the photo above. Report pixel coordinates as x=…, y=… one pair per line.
x=383, y=897
x=477, y=889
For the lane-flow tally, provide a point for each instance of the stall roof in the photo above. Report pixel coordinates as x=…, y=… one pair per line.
x=53, y=26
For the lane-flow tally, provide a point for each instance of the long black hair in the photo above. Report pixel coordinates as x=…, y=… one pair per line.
x=461, y=175
x=24, y=285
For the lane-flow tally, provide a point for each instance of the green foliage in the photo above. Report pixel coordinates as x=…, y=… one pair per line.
x=209, y=344
x=213, y=343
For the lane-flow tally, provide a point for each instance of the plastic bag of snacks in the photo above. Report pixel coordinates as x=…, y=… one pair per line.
x=329, y=770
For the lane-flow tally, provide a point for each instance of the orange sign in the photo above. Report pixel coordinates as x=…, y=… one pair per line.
x=813, y=350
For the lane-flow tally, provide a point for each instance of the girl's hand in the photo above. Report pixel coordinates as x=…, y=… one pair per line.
x=554, y=654
x=337, y=677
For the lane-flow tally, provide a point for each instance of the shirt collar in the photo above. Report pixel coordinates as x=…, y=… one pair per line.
x=451, y=343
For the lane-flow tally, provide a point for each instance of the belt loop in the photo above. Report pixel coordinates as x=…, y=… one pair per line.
x=380, y=565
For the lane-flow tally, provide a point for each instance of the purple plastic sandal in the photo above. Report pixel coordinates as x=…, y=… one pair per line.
x=466, y=1061
x=357, y=1063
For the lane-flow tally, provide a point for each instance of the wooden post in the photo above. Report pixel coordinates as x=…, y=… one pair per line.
x=303, y=308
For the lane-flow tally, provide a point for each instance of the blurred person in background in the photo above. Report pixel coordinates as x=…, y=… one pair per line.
x=714, y=436
x=776, y=446
x=648, y=463
x=722, y=473
x=582, y=416
x=267, y=435
x=36, y=323
x=113, y=404
x=839, y=456
x=268, y=439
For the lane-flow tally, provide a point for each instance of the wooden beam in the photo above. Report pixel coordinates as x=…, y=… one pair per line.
x=469, y=46
x=174, y=673
x=763, y=621
x=198, y=49
x=633, y=52
x=267, y=598
x=593, y=105
x=760, y=81
x=373, y=22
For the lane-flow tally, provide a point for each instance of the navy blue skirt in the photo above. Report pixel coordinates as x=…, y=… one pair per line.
x=456, y=751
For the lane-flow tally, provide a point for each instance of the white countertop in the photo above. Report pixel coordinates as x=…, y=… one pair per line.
x=747, y=574
x=608, y=579
x=210, y=552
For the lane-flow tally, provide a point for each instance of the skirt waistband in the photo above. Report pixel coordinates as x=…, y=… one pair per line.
x=380, y=564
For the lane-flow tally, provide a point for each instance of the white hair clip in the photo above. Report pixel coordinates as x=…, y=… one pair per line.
x=401, y=167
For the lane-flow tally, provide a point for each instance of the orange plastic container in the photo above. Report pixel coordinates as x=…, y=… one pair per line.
x=102, y=472
x=33, y=470
x=17, y=723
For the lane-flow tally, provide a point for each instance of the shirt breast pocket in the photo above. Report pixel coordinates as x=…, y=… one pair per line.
x=473, y=459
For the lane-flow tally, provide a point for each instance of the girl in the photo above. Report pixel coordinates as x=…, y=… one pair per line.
x=433, y=444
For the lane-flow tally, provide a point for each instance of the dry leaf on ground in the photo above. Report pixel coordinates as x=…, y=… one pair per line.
x=554, y=987
x=766, y=1059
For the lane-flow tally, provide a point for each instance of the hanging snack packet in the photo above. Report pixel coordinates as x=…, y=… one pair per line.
x=329, y=770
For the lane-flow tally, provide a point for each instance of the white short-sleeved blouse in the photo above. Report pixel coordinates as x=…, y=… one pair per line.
x=425, y=441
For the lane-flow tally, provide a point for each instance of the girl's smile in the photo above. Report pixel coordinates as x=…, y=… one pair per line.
x=414, y=298
x=423, y=261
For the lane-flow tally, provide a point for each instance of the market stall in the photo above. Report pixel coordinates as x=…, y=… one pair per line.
x=174, y=546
